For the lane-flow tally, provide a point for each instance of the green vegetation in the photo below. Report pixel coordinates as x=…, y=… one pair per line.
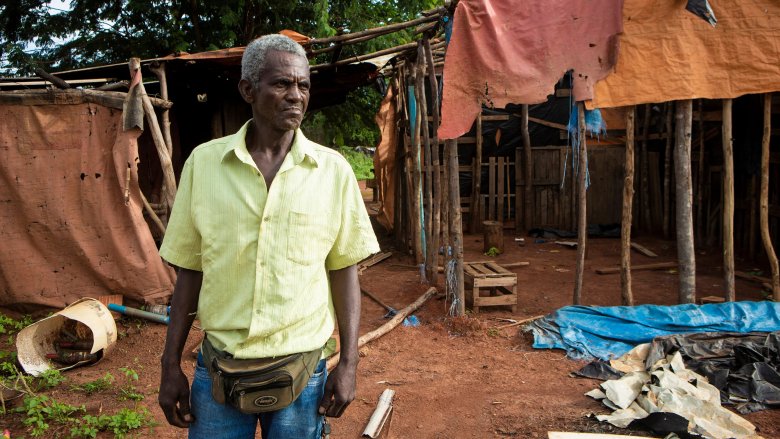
x=129, y=391
x=362, y=164
x=97, y=385
x=493, y=252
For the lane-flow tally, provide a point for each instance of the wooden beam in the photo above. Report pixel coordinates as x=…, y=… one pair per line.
x=764, y=203
x=476, y=179
x=626, y=294
x=437, y=188
x=58, y=82
x=643, y=267
x=728, y=201
x=643, y=250
x=644, y=173
x=456, y=230
x=700, y=220
x=684, y=214
x=667, y=198
x=528, y=161
x=373, y=32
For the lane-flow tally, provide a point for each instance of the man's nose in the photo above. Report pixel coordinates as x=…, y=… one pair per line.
x=294, y=93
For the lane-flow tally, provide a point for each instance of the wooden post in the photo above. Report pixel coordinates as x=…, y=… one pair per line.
x=700, y=219
x=417, y=179
x=431, y=262
x=644, y=171
x=582, y=221
x=476, y=182
x=159, y=71
x=728, y=201
x=667, y=168
x=684, y=222
x=493, y=236
x=437, y=189
x=765, y=237
x=753, y=202
x=169, y=179
x=626, y=295
x=528, y=202
x=456, y=230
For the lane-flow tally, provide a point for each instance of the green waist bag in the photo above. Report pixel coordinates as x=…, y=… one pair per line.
x=258, y=385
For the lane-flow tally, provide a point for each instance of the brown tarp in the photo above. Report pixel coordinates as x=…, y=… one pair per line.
x=667, y=53
x=65, y=229
x=514, y=52
x=384, y=160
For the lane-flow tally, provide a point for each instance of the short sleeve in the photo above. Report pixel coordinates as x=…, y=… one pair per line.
x=182, y=243
x=355, y=240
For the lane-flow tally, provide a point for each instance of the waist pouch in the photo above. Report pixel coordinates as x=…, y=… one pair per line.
x=258, y=385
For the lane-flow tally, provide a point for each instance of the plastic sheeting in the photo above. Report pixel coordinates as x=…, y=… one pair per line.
x=66, y=229
x=587, y=332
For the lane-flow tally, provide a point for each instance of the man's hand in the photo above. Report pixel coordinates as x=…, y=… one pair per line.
x=339, y=390
x=174, y=397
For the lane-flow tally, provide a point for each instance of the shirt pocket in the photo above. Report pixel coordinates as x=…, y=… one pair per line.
x=311, y=236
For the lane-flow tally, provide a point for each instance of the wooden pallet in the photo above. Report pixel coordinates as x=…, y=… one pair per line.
x=487, y=275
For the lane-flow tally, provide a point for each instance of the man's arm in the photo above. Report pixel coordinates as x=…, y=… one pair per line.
x=340, y=386
x=174, y=395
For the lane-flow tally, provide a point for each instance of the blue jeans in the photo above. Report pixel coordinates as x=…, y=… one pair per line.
x=300, y=420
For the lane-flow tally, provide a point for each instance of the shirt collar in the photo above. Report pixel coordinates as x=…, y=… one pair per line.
x=302, y=148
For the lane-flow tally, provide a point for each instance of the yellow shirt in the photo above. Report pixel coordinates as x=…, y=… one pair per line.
x=265, y=254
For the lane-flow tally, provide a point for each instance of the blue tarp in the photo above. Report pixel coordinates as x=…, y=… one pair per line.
x=585, y=332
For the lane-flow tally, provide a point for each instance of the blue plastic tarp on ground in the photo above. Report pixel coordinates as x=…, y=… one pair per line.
x=585, y=332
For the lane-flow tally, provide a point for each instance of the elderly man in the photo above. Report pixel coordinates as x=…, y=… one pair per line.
x=266, y=230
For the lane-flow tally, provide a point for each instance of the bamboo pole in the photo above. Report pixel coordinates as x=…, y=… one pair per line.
x=387, y=327
x=456, y=230
x=169, y=179
x=582, y=221
x=684, y=220
x=377, y=31
x=765, y=237
x=357, y=58
x=437, y=193
x=667, y=168
x=700, y=219
x=419, y=91
x=159, y=71
x=476, y=179
x=626, y=295
x=528, y=202
x=644, y=171
x=417, y=220
x=728, y=200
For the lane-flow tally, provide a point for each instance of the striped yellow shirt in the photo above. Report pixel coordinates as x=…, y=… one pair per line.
x=265, y=254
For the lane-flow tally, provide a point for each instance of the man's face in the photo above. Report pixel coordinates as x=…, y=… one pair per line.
x=280, y=98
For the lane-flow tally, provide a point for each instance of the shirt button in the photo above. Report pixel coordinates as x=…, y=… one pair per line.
x=257, y=311
x=268, y=218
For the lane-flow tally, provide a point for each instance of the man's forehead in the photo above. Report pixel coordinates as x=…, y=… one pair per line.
x=278, y=61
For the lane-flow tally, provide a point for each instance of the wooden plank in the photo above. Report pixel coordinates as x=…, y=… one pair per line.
x=497, y=268
x=482, y=269
x=634, y=268
x=470, y=271
x=500, y=194
x=643, y=250
x=491, y=189
x=489, y=282
x=506, y=299
x=496, y=117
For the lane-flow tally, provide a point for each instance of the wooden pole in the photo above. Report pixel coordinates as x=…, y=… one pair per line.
x=159, y=71
x=153, y=215
x=753, y=202
x=58, y=82
x=626, y=295
x=728, y=201
x=437, y=191
x=765, y=237
x=456, y=227
x=387, y=327
x=357, y=58
x=417, y=220
x=667, y=168
x=169, y=179
x=528, y=202
x=377, y=31
x=700, y=219
x=582, y=221
x=476, y=182
x=419, y=91
x=644, y=171
x=684, y=222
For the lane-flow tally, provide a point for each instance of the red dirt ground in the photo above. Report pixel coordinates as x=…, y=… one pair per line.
x=453, y=378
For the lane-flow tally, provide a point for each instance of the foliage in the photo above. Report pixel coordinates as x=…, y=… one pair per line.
x=50, y=378
x=129, y=391
x=98, y=385
x=493, y=252
x=93, y=32
x=11, y=326
x=362, y=163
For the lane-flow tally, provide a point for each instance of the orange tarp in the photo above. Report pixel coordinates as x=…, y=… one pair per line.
x=505, y=52
x=667, y=53
x=384, y=160
x=65, y=229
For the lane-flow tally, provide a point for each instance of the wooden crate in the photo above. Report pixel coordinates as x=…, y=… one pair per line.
x=500, y=283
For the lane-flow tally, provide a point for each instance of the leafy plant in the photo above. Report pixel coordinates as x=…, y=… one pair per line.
x=493, y=252
x=97, y=385
x=11, y=326
x=129, y=391
x=362, y=164
x=50, y=378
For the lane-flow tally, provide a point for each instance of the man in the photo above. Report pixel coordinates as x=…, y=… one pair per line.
x=266, y=230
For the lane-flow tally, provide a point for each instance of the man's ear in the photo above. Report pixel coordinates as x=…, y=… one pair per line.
x=245, y=88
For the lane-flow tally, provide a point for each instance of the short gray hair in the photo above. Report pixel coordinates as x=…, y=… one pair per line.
x=253, y=61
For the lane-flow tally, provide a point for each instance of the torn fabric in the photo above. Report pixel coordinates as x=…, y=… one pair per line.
x=667, y=53
x=515, y=52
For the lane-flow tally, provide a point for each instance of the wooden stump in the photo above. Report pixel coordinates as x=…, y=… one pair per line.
x=493, y=233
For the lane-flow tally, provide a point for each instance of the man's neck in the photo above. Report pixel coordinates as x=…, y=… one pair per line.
x=268, y=141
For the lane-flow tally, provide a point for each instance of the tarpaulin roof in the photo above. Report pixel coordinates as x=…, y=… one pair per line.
x=667, y=53
x=514, y=52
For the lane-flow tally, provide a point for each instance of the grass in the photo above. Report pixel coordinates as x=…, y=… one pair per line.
x=362, y=164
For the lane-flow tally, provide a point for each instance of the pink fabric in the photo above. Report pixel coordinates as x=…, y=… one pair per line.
x=505, y=52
